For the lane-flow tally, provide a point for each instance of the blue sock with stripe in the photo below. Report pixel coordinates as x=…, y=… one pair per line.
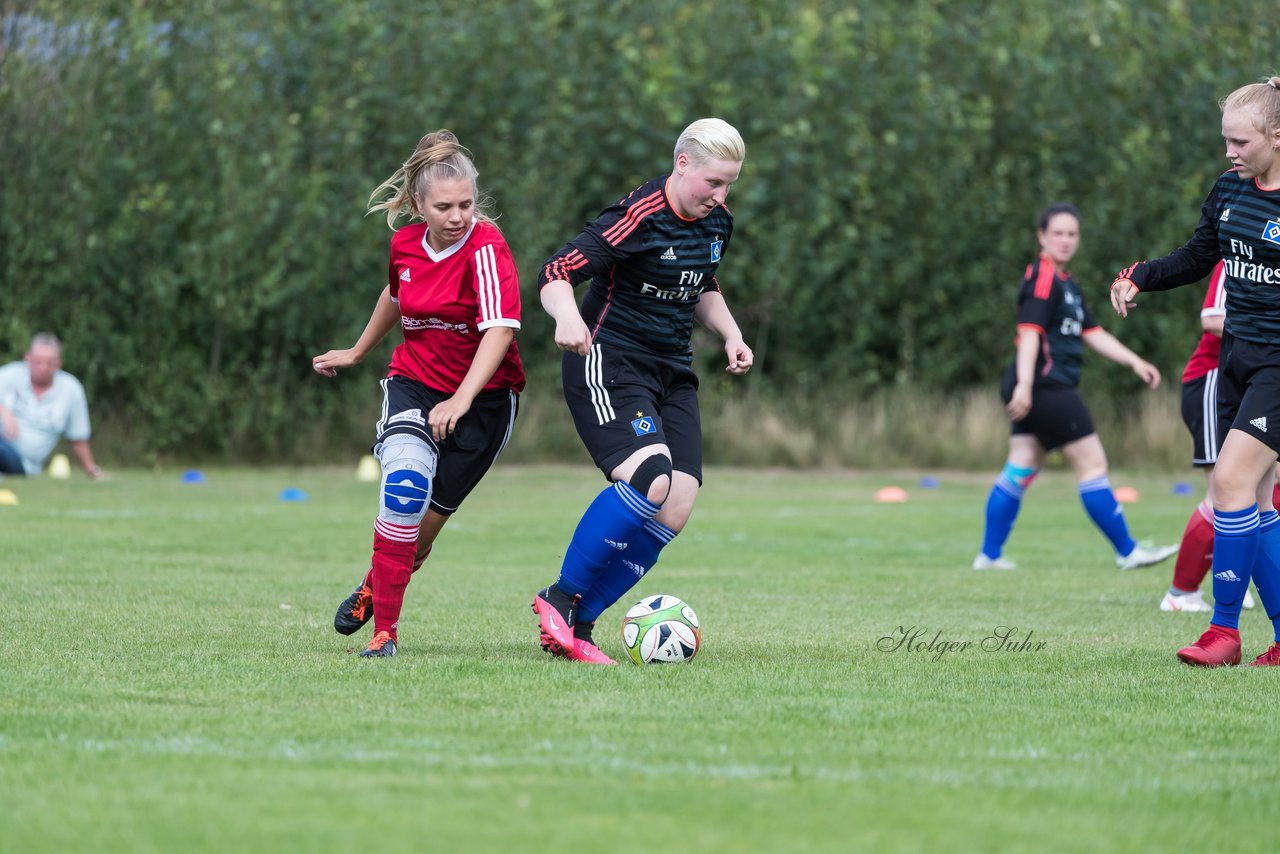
x=610, y=524
x=1003, y=503
x=1266, y=567
x=1100, y=503
x=625, y=570
x=1235, y=547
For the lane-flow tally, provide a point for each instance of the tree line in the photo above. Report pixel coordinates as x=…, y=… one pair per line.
x=184, y=184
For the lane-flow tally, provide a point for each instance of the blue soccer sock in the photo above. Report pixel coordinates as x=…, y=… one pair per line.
x=625, y=570
x=1235, y=547
x=1003, y=504
x=1100, y=503
x=610, y=524
x=1266, y=567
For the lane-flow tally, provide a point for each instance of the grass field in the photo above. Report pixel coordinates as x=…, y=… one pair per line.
x=170, y=679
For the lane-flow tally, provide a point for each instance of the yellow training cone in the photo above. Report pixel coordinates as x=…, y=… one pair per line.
x=7, y=497
x=59, y=467
x=368, y=470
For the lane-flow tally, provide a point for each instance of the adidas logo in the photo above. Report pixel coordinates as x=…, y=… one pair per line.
x=1226, y=213
x=1227, y=575
x=670, y=254
x=404, y=275
x=1260, y=423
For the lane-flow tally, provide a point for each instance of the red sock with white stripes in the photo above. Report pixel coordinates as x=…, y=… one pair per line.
x=394, y=548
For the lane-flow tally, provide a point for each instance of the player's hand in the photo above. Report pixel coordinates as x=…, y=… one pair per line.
x=1124, y=292
x=1148, y=372
x=572, y=335
x=740, y=357
x=445, y=415
x=328, y=364
x=1019, y=402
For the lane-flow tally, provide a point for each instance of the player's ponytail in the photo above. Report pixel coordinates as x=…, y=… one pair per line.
x=438, y=156
x=1263, y=99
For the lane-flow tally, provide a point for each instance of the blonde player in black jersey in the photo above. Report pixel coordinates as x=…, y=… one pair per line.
x=627, y=372
x=1240, y=226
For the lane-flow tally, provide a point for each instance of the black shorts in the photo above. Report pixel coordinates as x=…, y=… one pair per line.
x=1058, y=415
x=1200, y=414
x=1249, y=390
x=623, y=400
x=468, y=452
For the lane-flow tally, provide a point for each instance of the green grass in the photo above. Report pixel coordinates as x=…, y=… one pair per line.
x=170, y=680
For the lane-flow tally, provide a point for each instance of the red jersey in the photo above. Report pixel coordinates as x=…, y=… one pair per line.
x=1205, y=358
x=447, y=300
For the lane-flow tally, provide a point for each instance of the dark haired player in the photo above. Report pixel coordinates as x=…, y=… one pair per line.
x=1039, y=390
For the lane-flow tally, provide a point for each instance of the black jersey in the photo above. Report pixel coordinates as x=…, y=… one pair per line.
x=1050, y=302
x=648, y=267
x=1239, y=225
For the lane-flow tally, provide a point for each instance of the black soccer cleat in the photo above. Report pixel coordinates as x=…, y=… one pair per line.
x=382, y=646
x=355, y=610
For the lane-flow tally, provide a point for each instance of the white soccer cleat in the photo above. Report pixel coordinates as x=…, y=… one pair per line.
x=1145, y=556
x=1193, y=602
x=984, y=562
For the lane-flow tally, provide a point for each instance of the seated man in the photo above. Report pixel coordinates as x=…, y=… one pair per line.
x=39, y=404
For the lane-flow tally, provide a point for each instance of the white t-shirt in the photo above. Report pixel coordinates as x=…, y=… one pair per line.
x=42, y=421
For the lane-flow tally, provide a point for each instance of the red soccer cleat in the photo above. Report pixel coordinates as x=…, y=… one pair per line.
x=1270, y=658
x=1217, y=647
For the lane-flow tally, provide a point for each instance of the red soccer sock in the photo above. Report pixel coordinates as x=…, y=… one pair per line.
x=394, y=548
x=1195, y=554
x=417, y=565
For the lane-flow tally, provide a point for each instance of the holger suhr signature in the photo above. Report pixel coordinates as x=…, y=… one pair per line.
x=932, y=643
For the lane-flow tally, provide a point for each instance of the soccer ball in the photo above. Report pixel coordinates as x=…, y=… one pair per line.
x=661, y=630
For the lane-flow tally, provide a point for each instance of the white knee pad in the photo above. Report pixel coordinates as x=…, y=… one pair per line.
x=408, y=467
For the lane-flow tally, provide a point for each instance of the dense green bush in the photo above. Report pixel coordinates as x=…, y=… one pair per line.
x=184, y=183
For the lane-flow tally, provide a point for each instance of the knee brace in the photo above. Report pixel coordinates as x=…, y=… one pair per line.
x=654, y=467
x=1018, y=476
x=408, y=466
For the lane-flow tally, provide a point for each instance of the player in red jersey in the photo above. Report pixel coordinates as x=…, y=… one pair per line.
x=451, y=394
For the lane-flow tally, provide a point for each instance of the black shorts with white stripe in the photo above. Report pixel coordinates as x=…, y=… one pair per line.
x=466, y=454
x=1249, y=390
x=1200, y=414
x=624, y=400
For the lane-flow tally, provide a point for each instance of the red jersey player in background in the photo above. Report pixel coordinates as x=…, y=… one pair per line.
x=451, y=394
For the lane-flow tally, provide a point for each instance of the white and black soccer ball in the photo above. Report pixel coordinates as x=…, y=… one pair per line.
x=661, y=629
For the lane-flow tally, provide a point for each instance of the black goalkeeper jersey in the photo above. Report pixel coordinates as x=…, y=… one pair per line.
x=1239, y=225
x=648, y=267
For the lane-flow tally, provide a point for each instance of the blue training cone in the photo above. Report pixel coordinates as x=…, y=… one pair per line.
x=293, y=494
x=1181, y=488
x=193, y=476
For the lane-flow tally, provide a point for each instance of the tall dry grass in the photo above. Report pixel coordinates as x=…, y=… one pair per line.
x=902, y=428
